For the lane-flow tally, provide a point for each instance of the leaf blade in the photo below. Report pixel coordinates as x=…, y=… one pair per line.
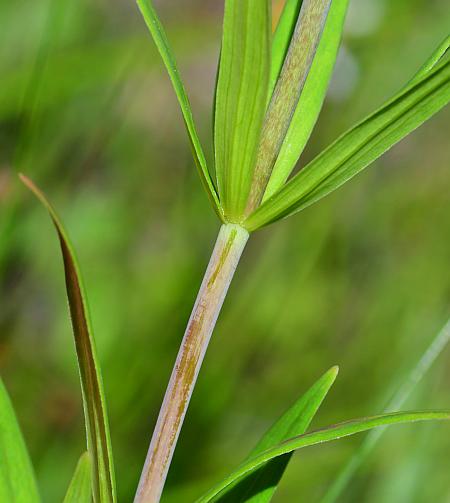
x=331, y=433
x=311, y=99
x=79, y=490
x=17, y=479
x=159, y=37
x=289, y=87
x=282, y=38
x=97, y=428
x=260, y=486
x=358, y=147
x=240, y=99
x=432, y=61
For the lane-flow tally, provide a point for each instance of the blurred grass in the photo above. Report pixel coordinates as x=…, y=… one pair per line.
x=360, y=280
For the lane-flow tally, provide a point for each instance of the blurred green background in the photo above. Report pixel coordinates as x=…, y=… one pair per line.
x=360, y=279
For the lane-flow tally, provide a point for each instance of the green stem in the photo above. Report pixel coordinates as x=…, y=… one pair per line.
x=222, y=265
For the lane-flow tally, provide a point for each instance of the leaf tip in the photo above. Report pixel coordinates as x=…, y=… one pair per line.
x=332, y=373
x=32, y=186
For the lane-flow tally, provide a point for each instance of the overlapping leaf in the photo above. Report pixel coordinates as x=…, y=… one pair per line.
x=260, y=485
x=311, y=99
x=157, y=31
x=317, y=437
x=357, y=148
x=97, y=430
x=289, y=86
x=17, y=481
x=79, y=490
x=241, y=98
x=440, y=52
x=281, y=40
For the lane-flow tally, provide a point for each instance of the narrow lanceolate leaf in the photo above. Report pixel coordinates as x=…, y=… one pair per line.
x=79, y=490
x=311, y=98
x=97, y=430
x=17, y=482
x=260, y=485
x=357, y=148
x=282, y=38
x=241, y=98
x=432, y=61
x=157, y=31
x=439, y=343
x=288, y=89
x=317, y=437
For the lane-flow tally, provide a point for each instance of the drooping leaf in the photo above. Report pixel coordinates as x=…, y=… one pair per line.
x=157, y=31
x=17, y=481
x=420, y=369
x=80, y=490
x=311, y=98
x=358, y=147
x=320, y=436
x=241, y=98
x=97, y=429
x=288, y=89
x=260, y=485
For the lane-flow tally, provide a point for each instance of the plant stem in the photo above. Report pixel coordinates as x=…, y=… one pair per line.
x=222, y=265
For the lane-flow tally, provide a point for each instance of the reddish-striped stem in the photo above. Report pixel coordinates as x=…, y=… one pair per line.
x=224, y=260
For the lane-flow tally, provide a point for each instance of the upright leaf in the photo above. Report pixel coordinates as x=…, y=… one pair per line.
x=311, y=98
x=157, y=31
x=241, y=98
x=334, y=432
x=17, y=481
x=288, y=89
x=357, y=148
x=79, y=490
x=260, y=485
x=97, y=430
x=282, y=38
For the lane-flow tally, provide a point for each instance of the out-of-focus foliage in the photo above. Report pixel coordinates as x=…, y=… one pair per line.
x=360, y=279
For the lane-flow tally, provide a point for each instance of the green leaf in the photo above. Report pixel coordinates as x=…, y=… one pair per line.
x=79, y=490
x=357, y=148
x=157, y=31
x=241, y=99
x=286, y=95
x=260, y=485
x=311, y=98
x=432, y=61
x=17, y=481
x=282, y=38
x=97, y=430
x=334, y=432
x=417, y=373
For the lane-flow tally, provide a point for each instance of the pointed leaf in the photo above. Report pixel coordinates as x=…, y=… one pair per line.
x=79, y=490
x=157, y=31
x=432, y=61
x=17, y=481
x=241, y=98
x=97, y=430
x=260, y=485
x=357, y=148
x=311, y=98
x=288, y=89
x=334, y=432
